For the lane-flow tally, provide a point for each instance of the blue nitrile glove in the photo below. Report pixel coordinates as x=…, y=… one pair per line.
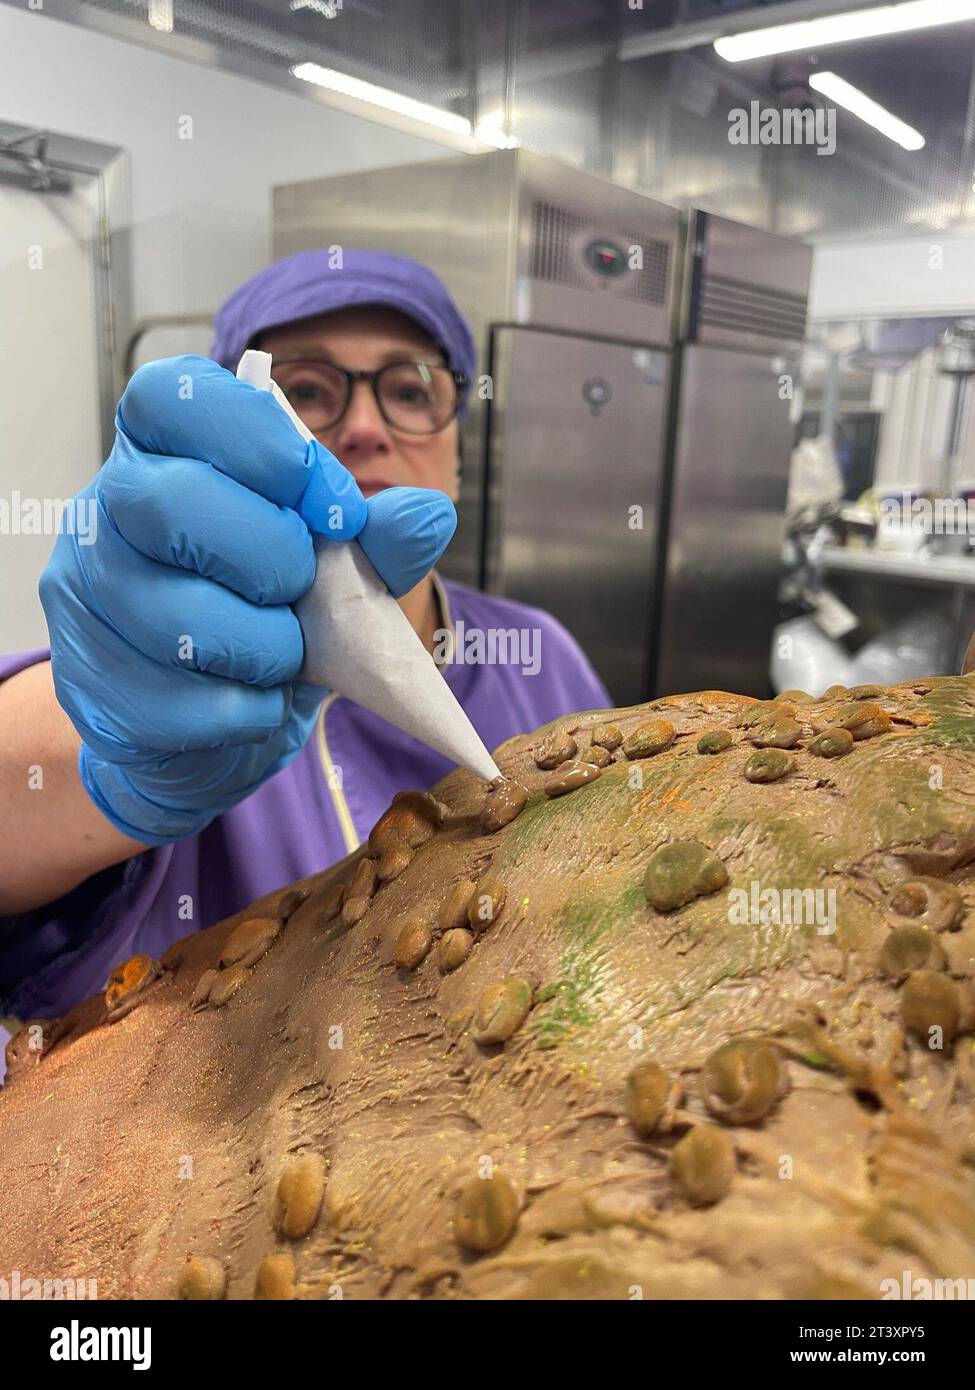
x=173, y=645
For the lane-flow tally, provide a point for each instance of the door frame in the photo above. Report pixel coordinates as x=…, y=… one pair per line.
x=108, y=167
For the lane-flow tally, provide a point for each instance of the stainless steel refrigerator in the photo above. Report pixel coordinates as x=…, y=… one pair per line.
x=742, y=321
x=581, y=437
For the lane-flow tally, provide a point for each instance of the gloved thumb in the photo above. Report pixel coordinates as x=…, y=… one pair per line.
x=407, y=530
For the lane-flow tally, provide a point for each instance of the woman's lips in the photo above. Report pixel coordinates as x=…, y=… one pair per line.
x=370, y=489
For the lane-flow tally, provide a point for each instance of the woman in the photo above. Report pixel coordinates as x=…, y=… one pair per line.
x=165, y=766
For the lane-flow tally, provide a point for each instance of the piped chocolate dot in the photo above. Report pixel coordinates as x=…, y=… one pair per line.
x=907, y=949
x=413, y=945
x=298, y=1196
x=925, y=902
x=702, y=1165
x=128, y=982
x=250, y=940
x=276, y=1278
x=649, y=739
x=505, y=800
x=453, y=949
x=597, y=755
x=679, y=872
x=742, y=1080
x=862, y=720
x=608, y=736
x=649, y=1094
x=775, y=733
x=486, y=1214
x=932, y=1008
x=501, y=1010
x=832, y=743
x=453, y=909
x=226, y=985
x=201, y=1278
x=486, y=902
x=397, y=856
x=557, y=748
x=568, y=777
x=768, y=765
x=201, y=990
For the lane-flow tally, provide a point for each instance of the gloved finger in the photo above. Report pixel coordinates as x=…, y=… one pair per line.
x=175, y=791
x=184, y=513
x=126, y=707
x=407, y=530
x=181, y=620
x=189, y=407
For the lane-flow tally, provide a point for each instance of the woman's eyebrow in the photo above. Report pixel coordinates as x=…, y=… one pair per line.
x=314, y=352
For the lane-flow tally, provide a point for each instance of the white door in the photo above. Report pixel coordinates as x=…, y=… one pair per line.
x=50, y=444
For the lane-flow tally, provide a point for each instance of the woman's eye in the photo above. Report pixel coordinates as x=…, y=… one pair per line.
x=303, y=392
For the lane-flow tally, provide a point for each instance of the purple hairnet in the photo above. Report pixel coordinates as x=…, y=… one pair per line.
x=306, y=283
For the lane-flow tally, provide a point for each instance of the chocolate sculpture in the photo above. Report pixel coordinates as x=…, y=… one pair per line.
x=683, y=1008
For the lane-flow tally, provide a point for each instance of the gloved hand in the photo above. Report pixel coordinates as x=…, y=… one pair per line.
x=173, y=646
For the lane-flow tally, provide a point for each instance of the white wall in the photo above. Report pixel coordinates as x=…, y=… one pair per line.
x=928, y=274
x=200, y=213
x=200, y=207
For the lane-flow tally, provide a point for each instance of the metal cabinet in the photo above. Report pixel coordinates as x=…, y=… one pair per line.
x=573, y=489
x=727, y=517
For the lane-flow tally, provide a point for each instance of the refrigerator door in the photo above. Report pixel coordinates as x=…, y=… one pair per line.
x=727, y=520
x=574, y=473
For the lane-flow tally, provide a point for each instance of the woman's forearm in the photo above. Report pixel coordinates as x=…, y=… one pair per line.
x=52, y=836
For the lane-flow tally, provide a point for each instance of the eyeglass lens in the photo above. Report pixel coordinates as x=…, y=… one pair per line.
x=412, y=396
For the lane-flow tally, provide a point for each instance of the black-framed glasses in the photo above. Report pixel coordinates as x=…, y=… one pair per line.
x=415, y=397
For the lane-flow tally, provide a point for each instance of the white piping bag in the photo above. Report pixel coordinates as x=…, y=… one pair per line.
x=359, y=642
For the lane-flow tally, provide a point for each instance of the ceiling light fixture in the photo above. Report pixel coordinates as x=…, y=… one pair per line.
x=381, y=96
x=488, y=131
x=843, y=28
x=837, y=89
x=160, y=15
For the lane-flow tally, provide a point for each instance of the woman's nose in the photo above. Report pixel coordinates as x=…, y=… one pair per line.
x=362, y=431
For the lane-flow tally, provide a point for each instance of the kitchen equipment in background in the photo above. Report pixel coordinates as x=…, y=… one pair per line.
x=639, y=501
x=568, y=282
x=743, y=318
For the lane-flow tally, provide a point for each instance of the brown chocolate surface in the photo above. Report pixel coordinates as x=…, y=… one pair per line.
x=596, y=1093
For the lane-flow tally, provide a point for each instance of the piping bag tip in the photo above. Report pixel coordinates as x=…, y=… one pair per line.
x=359, y=642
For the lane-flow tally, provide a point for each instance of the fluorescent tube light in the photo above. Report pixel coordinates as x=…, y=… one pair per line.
x=837, y=89
x=843, y=28
x=381, y=96
x=491, y=135
x=161, y=15
x=490, y=129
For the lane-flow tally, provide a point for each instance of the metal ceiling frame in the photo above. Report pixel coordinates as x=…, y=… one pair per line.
x=203, y=51
x=704, y=31
x=673, y=39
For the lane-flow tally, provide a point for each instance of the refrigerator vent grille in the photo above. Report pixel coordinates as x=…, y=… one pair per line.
x=747, y=308
x=555, y=255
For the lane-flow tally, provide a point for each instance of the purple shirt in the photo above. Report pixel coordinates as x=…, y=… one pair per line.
x=292, y=826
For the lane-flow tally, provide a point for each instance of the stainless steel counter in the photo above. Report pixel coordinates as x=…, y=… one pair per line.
x=951, y=570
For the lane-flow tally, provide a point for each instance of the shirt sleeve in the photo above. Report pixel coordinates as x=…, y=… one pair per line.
x=59, y=953
x=56, y=955
x=575, y=680
x=19, y=661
